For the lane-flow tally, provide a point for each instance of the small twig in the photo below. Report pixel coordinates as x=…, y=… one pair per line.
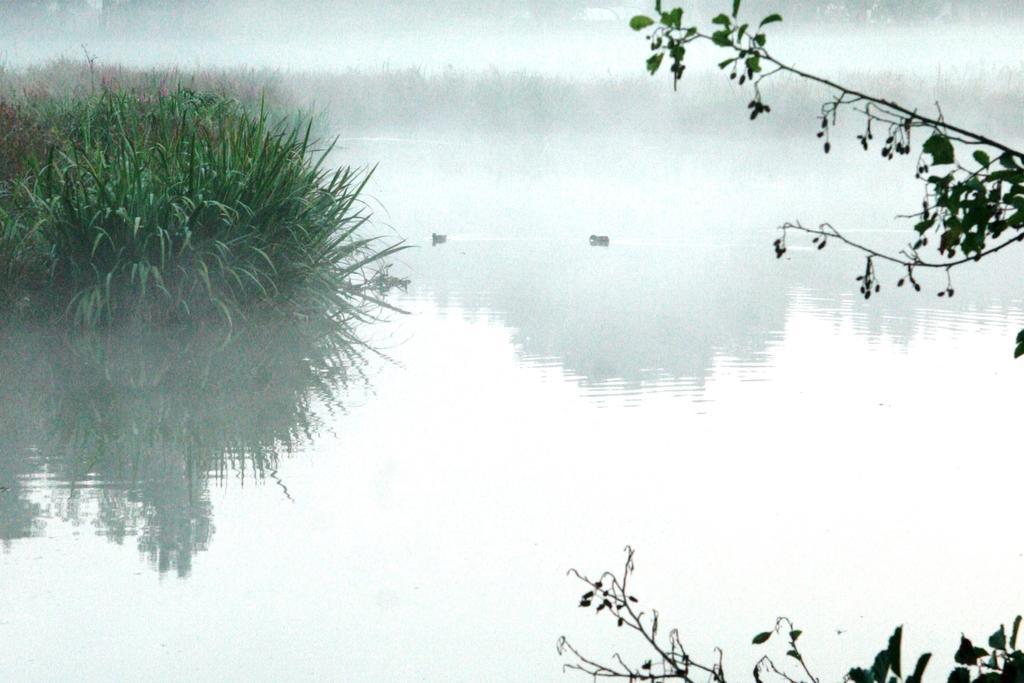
x=827, y=230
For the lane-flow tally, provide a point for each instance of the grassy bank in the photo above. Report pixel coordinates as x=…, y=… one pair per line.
x=150, y=200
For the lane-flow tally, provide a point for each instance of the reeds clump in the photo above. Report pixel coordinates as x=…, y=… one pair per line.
x=179, y=206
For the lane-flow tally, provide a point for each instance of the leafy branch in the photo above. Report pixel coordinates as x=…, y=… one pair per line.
x=609, y=595
x=972, y=207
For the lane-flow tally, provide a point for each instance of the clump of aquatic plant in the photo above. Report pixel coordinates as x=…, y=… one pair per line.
x=183, y=205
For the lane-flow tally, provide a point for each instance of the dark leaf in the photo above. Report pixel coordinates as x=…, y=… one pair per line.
x=940, y=148
x=1007, y=160
x=998, y=639
x=922, y=664
x=1013, y=671
x=966, y=653
x=895, y=646
x=762, y=637
x=880, y=668
x=771, y=19
x=959, y=675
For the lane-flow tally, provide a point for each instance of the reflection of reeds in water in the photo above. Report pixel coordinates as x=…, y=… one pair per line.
x=130, y=428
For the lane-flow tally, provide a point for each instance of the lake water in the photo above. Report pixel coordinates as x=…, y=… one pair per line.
x=771, y=443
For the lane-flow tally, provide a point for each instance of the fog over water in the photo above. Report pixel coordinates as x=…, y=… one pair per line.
x=770, y=442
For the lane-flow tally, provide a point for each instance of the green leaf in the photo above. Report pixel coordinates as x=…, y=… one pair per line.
x=771, y=19
x=941, y=149
x=722, y=19
x=997, y=640
x=672, y=19
x=793, y=635
x=982, y=158
x=1007, y=160
x=860, y=676
x=721, y=38
x=640, y=22
x=795, y=655
x=895, y=645
x=727, y=62
x=654, y=62
x=735, y=8
x=1016, y=622
x=1019, y=351
x=762, y=637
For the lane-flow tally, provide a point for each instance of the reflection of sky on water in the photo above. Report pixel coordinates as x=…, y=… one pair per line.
x=640, y=319
x=442, y=514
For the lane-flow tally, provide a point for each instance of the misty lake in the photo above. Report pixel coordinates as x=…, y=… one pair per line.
x=278, y=506
x=769, y=442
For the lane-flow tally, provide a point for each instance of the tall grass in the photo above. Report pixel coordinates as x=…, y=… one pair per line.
x=181, y=205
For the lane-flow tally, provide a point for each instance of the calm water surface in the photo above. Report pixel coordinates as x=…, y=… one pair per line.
x=772, y=444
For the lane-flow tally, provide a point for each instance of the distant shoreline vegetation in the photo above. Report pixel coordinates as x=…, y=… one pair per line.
x=159, y=203
x=489, y=102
